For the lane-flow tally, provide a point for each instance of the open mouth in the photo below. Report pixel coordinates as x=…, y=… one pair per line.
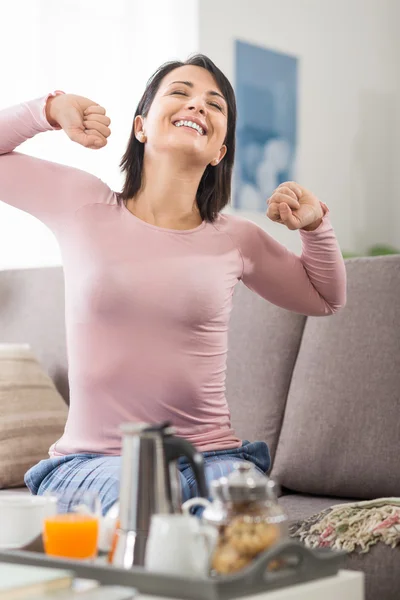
x=191, y=125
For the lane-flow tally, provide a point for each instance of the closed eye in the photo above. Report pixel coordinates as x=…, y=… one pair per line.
x=218, y=106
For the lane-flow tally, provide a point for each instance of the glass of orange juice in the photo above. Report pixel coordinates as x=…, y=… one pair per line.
x=74, y=530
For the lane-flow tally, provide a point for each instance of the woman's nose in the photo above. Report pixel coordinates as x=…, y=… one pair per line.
x=197, y=105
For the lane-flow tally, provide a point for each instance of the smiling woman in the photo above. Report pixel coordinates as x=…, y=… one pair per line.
x=194, y=91
x=150, y=271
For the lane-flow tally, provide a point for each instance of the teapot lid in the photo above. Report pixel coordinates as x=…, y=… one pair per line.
x=246, y=484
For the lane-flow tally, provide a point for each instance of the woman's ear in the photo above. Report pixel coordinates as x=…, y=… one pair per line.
x=221, y=155
x=139, y=132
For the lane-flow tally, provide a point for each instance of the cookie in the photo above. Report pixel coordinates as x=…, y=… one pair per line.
x=227, y=560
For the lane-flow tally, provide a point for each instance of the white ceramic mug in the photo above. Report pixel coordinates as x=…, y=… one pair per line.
x=21, y=517
x=180, y=545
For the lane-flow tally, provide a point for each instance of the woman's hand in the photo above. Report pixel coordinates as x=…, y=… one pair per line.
x=294, y=206
x=84, y=121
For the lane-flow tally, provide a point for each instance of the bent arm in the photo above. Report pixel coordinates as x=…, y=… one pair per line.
x=313, y=284
x=44, y=189
x=22, y=122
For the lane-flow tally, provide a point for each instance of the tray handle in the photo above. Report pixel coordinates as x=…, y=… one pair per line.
x=302, y=564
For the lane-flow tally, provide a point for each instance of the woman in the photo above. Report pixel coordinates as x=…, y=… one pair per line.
x=150, y=272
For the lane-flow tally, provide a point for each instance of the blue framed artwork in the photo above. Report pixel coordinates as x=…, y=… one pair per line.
x=266, y=92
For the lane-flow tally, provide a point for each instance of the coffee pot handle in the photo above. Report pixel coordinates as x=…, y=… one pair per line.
x=176, y=447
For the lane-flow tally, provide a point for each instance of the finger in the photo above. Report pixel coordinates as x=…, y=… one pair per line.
x=98, y=118
x=278, y=198
x=292, y=185
x=94, y=109
x=284, y=189
x=288, y=218
x=96, y=126
x=89, y=139
x=94, y=139
x=273, y=212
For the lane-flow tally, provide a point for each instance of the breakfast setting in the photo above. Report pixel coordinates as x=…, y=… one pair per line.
x=232, y=541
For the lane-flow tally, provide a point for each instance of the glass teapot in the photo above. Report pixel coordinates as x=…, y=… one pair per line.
x=246, y=513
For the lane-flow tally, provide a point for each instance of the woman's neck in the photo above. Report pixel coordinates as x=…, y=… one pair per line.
x=168, y=195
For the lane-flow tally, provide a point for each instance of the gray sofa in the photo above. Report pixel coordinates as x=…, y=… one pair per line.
x=323, y=392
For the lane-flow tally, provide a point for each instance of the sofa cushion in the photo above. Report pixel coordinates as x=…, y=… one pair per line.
x=32, y=311
x=381, y=568
x=380, y=564
x=32, y=413
x=263, y=344
x=341, y=430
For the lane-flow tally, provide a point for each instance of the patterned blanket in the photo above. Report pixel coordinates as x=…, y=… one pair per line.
x=352, y=527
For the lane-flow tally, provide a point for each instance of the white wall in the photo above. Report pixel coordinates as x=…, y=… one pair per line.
x=58, y=45
x=348, y=91
x=103, y=49
x=395, y=211
x=349, y=123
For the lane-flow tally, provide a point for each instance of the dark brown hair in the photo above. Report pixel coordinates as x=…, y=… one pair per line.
x=215, y=185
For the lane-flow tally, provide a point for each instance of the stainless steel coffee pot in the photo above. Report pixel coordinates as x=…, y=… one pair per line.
x=150, y=484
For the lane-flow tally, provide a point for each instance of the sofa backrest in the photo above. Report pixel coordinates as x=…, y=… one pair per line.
x=32, y=311
x=264, y=341
x=341, y=430
x=334, y=382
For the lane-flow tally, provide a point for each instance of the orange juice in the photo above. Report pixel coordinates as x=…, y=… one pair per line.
x=71, y=535
x=114, y=542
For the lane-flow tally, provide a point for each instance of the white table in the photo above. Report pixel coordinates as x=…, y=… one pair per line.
x=346, y=585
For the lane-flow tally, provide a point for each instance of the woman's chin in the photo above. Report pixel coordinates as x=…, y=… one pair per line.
x=190, y=149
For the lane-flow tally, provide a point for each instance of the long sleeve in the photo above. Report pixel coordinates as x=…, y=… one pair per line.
x=49, y=191
x=22, y=122
x=313, y=284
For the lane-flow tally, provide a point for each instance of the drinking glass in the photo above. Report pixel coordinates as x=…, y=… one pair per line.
x=74, y=530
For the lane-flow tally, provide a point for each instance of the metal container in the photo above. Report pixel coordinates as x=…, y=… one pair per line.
x=150, y=484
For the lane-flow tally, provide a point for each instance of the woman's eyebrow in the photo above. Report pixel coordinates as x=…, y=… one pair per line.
x=191, y=85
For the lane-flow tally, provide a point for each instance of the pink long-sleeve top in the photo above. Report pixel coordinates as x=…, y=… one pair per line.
x=147, y=308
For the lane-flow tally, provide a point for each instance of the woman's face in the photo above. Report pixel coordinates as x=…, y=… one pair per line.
x=188, y=115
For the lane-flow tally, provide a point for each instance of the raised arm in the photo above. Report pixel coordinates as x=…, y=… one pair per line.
x=313, y=284
x=47, y=190
x=23, y=121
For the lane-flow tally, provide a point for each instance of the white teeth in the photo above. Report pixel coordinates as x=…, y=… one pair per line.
x=190, y=124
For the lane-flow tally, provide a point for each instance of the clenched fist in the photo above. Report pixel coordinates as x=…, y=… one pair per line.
x=84, y=121
x=296, y=207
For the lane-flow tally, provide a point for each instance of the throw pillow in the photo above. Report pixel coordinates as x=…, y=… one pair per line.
x=32, y=413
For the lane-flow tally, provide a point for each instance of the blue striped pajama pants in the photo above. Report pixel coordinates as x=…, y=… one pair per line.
x=101, y=473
